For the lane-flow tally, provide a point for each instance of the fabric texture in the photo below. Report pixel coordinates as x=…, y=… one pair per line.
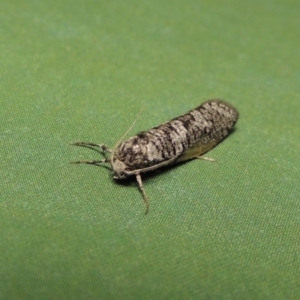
x=86, y=71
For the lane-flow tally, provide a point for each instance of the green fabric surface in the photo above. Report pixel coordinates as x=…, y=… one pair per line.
x=82, y=71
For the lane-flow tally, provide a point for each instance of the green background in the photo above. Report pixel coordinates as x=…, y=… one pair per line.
x=82, y=70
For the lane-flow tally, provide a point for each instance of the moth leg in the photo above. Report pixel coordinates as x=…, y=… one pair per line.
x=205, y=158
x=92, y=145
x=91, y=162
x=140, y=183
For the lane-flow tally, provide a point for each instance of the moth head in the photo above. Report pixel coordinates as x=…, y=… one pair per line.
x=119, y=169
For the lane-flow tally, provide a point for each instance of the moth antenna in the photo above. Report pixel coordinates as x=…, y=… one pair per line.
x=103, y=147
x=91, y=162
x=138, y=115
x=139, y=181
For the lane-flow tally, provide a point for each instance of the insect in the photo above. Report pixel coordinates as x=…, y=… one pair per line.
x=185, y=137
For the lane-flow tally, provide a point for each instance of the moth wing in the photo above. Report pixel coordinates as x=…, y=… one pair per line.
x=196, y=150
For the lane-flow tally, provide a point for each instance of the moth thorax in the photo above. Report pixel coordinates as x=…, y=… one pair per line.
x=119, y=169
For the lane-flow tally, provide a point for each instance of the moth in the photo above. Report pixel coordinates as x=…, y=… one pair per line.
x=183, y=138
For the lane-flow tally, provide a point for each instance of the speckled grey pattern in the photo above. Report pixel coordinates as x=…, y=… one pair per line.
x=210, y=123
